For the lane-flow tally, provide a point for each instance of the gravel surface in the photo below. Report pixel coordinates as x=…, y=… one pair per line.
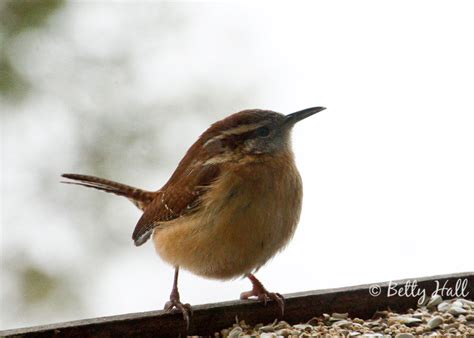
x=436, y=317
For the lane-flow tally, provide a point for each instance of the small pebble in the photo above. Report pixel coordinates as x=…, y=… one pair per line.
x=443, y=307
x=340, y=315
x=281, y=325
x=404, y=335
x=235, y=332
x=342, y=323
x=434, y=300
x=267, y=328
x=303, y=327
x=452, y=326
x=467, y=302
x=454, y=310
x=268, y=335
x=435, y=322
x=283, y=332
x=448, y=318
x=404, y=320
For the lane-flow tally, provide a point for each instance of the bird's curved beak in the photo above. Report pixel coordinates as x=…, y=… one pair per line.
x=291, y=119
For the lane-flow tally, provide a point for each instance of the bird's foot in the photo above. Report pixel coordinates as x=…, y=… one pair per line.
x=259, y=291
x=175, y=303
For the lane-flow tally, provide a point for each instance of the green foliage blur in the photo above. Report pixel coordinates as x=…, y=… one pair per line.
x=17, y=16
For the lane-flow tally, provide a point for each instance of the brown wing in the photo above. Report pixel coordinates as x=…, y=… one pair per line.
x=180, y=196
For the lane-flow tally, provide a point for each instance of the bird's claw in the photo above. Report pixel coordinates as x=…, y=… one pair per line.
x=185, y=309
x=265, y=296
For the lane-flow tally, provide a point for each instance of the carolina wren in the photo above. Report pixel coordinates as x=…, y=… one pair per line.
x=231, y=204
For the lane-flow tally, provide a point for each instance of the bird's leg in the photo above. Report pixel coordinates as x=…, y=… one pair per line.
x=259, y=291
x=174, y=301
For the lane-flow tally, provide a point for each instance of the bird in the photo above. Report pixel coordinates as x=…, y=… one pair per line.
x=232, y=203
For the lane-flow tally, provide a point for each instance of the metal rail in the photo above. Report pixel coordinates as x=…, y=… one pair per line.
x=210, y=318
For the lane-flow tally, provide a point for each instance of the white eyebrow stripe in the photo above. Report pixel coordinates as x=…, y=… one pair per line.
x=234, y=131
x=242, y=129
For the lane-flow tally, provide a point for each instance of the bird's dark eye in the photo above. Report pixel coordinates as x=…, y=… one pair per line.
x=263, y=132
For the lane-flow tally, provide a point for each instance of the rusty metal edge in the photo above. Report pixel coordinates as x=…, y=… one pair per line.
x=150, y=323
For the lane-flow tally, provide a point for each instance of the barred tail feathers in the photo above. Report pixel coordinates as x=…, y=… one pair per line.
x=141, y=198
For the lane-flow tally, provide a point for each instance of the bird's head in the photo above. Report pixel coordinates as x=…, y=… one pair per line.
x=251, y=132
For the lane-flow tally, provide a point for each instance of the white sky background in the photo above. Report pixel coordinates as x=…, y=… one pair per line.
x=387, y=168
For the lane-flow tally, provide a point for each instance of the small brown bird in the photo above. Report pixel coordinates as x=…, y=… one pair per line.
x=232, y=203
